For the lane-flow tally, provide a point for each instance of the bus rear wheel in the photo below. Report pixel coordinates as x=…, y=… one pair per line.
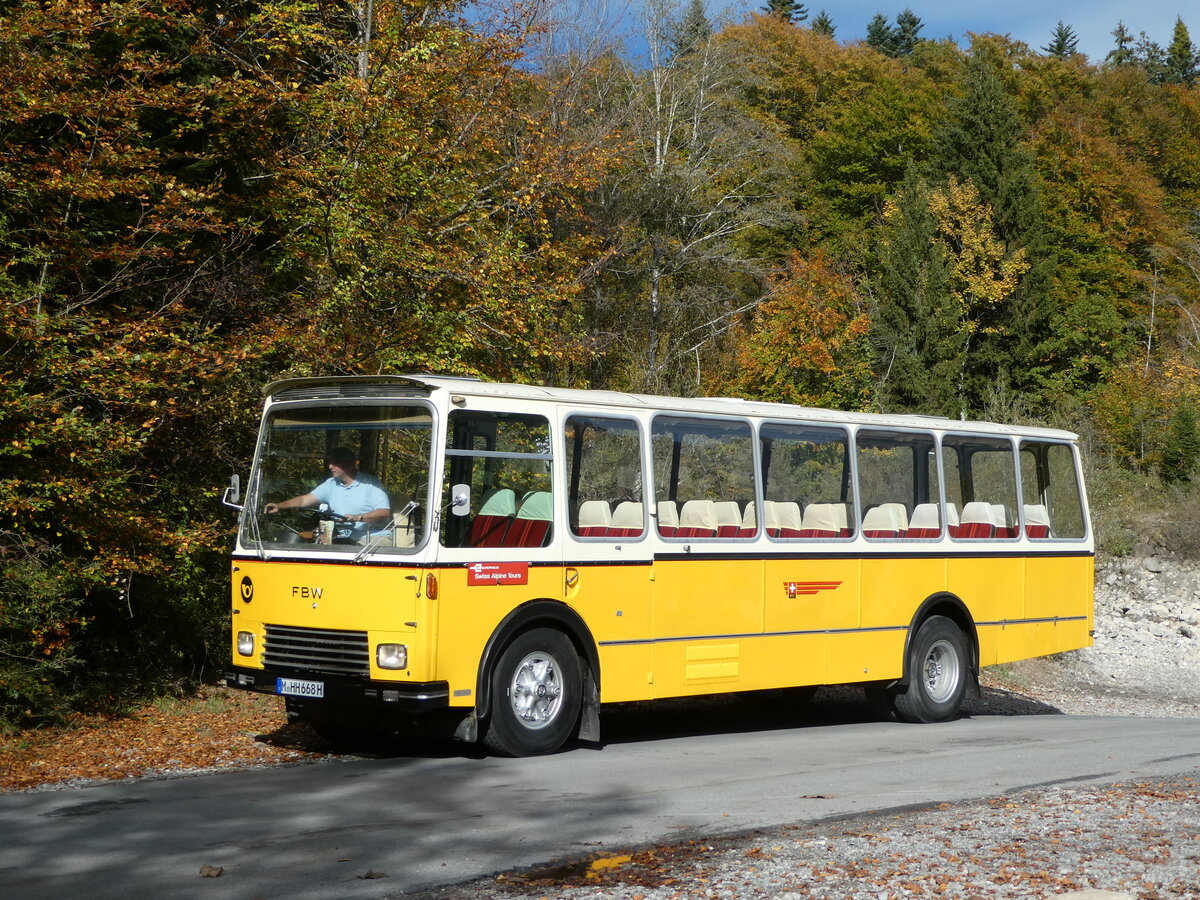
x=938, y=665
x=536, y=695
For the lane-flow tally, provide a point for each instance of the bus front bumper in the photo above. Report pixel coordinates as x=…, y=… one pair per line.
x=408, y=696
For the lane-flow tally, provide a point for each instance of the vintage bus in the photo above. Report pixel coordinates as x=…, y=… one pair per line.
x=545, y=551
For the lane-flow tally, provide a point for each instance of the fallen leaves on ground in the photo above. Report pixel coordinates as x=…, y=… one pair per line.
x=218, y=728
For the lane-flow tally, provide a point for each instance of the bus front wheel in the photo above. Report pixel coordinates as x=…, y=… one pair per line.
x=536, y=694
x=938, y=664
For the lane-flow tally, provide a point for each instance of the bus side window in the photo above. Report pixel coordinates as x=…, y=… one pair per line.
x=806, y=481
x=703, y=468
x=604, y=477
x=1052, y=501
x=505, y=459
x=981, y=482
x=895, y=479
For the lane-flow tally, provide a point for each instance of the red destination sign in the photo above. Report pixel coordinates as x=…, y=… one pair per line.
x=498, y=573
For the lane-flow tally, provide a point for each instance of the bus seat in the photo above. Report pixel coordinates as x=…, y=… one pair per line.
x=697, y=519
x=498, y=508
x=841, y=512
x=822, y=520
x=749, y=522
x=531, y=527
x=1005, y=527
x=771, y=518
x=668, y=518
x=729, y=518
x=976, y=521
x=1037, y=521
x=887, y=520
x=787, y=519
x=595, y=518
x=626, y=520
x=951, y=516
x=925, y=521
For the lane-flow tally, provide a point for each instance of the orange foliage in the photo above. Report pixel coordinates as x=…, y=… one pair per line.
x=807, y=343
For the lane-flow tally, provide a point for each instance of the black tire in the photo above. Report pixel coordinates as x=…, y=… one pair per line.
x=537, y=691
x=938, y=667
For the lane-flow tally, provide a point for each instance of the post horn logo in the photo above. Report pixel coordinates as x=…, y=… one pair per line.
x=247, y=588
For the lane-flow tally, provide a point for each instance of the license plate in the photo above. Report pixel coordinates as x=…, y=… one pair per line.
x=294, y=687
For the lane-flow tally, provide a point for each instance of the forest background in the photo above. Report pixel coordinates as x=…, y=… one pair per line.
x=199, y=197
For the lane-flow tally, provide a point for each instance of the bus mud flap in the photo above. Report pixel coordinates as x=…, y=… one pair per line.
x=468, y=729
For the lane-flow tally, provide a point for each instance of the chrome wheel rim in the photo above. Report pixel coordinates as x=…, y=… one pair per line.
x=940, y=673
x=536, y=690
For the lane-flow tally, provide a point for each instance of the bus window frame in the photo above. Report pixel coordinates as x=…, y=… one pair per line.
x=320, y=551
x=1080, y=487
x=939, y=494
x=652, y=481
x=1014, y=455
x=849, y=478
x=645, y=463
x=448, y=455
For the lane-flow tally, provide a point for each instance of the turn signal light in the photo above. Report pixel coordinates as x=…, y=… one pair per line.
x=431, y=586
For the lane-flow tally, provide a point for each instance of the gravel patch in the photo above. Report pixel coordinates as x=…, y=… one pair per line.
x=1137, y=840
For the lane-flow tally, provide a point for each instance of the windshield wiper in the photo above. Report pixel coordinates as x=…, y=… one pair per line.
x=376, y=540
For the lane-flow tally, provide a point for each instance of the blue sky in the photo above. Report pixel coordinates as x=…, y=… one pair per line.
x=598, y=22
x=1031, y=21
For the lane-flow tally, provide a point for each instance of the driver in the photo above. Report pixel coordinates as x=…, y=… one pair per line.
x=348, y=493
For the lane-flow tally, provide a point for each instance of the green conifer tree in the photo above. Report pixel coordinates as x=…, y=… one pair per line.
x=822, y=24
x=907, y=32
x=1181, y=60
x=1122, y=54
x=917, y=333
x=1182, y=450
x=693, y=30
x=788, y=10
x=981, y=140
x=1151, y=57
x=880, y=35
x=1064, y=42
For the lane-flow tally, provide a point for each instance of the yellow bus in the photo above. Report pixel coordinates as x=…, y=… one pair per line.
x=539, y=552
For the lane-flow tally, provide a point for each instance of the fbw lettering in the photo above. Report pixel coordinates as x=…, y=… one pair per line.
x=307, y=593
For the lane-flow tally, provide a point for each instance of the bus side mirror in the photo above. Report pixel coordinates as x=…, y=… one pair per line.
x=460, y=499
x=233, y=493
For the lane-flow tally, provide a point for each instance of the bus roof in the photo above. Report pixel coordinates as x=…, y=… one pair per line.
x=472, y=387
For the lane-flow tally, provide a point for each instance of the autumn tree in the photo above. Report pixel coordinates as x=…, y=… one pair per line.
x=701, y=184
x=139, y=298
x=806, y=343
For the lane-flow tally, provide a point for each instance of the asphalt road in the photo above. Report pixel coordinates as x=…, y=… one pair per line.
x=386, y=826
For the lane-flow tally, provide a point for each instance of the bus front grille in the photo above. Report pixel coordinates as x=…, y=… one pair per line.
x=317, y=650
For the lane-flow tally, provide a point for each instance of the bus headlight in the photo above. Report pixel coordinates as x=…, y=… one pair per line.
x=391, y=656
x=245, y=643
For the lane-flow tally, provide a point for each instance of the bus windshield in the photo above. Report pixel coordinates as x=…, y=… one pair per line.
x=348, y=477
